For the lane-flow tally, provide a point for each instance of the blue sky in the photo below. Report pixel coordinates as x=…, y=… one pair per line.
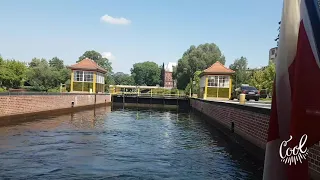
x=157, y=30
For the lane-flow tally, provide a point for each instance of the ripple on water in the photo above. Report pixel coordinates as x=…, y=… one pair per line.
x=122, y=144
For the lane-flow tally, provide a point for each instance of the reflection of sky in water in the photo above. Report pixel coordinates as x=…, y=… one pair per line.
x=123, y=143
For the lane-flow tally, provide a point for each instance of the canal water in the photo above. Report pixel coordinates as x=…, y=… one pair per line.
x=122, y=144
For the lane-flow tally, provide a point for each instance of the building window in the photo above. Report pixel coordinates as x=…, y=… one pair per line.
x=88, y=76
x=223, y=81
x=100, y=78
x=218, y=81
x=83, y=76
x=78, y=75
x=213, y=81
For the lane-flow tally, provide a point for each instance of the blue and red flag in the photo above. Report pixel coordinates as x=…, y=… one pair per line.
x=296, y=101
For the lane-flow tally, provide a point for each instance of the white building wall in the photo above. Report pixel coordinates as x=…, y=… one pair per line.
x=202, y=81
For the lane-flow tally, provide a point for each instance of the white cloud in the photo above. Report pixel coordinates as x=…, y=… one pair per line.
x=120, y=21
x=108, y=55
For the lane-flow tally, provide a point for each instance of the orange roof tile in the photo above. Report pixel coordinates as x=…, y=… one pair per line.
x=218, y=68
x=87, y=64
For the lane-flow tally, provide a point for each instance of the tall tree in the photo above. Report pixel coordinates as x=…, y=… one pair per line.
x=196, y=59
x=196, y=85
x=123, y=79
x=102, y=62
x=12, y=73
x=263, y=79
x=240, y=67
x=162, y=77
x=146, y=73
x=56, y=63
x=35, y=62
x=41, y=76
x=97, y=57
x=257, y=79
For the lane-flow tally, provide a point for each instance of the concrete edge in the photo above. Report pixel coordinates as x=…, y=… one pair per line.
x=19, y=118
x=238, y=106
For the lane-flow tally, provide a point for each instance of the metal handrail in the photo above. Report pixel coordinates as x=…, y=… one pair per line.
x=46, y=93
x=150, y=94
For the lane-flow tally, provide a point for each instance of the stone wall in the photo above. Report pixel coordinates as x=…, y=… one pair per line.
x=251, y=123
x=23, y=104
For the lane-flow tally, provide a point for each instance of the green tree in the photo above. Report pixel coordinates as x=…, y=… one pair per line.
x=269, y=74
x=146, y=73
x=194, y=83
x=102, y=62
x=257, y=79
x=121, y=78
x=109, y=80
x=42, y=77
x=35, y=62
x=240, y=76
x=97, y=57
x=196, y=59
x=12, y=73
x=56, y=63
x=263, y=79
x=162, y=76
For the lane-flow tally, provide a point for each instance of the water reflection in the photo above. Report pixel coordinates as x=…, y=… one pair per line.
x=122, y=143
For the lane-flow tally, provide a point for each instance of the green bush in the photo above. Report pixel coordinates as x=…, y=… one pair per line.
x=2, y=90
x=54, y=90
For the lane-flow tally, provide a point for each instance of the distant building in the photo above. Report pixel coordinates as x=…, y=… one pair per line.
x=273, y=54
x=168, y=80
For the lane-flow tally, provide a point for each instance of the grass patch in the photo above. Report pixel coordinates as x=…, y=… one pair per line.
x=265, y=99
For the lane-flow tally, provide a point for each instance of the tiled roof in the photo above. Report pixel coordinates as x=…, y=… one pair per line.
x=218, y=68
x=87, y=64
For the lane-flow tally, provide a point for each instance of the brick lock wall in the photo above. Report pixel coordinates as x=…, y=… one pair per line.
x=21, y=104
x=251, y=125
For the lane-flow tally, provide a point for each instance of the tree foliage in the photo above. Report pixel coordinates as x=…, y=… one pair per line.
x=264, y=78
x=196, y=59
x=123, y=79
x=146, y=73
x=162, y=75
x=102, y=62
x=241, y=75
x=12, y=73
x=44, y=76
x=97, y=57
x=195, y=84
x=56, y=63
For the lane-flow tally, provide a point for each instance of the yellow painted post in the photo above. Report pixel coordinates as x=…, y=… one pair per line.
x=151, y=92
x=82, y=86
x=178, y=93
x=242, y=99
x=230, y=87
x=94, y=82
x=218, y=91
x=205, y=89
x=138, y=91
x=71, y=82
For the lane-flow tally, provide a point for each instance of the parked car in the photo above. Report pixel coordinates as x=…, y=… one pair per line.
x=250, y=92
x=263, y=93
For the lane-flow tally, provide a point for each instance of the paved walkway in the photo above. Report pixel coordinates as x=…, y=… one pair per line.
x=260, y=104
